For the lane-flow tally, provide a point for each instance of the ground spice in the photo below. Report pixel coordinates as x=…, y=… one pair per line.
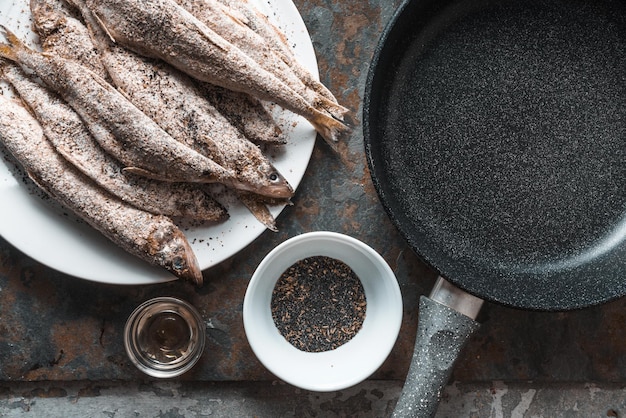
x=318, y=304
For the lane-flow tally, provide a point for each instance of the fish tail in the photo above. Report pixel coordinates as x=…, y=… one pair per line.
x=331, y=129
x=13, y=45
x=12, y=38
x=8, y=50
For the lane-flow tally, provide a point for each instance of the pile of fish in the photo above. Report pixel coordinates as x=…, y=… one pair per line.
x=132, y=108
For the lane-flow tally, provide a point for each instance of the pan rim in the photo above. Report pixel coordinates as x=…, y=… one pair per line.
x=574, y=297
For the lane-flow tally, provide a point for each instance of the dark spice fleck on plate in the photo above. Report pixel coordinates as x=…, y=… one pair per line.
x=318, y=304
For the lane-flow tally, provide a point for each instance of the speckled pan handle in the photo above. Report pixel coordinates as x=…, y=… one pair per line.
x=441, y=334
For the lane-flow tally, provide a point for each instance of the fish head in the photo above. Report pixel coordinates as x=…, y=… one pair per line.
x=170, y=247
x=264, y=179
x=185, y=266
x=278, y=186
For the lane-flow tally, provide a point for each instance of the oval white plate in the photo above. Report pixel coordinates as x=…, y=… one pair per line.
x=51, y=236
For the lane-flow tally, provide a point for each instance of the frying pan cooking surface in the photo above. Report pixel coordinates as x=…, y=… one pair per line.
x=496, y=137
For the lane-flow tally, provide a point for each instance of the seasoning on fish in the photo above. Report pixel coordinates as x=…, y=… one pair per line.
x=188, y=44
x=68, y=134
x=179, y=108
x=244, y=112
x=120, y=128
x=248, y=14
x=170, y=98
x=63, y=34
x=154, y=238
x=220, y=19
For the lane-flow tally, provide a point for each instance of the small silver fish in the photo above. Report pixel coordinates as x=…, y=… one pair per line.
x=120, y=128
x=68, y=134
x=189, y=45
x=153, y=238
x=61, y=33
x=170, y=98
x=225, y=23
x=246, y=13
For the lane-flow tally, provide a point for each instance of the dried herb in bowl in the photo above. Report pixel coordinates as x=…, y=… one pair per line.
x=318, y=304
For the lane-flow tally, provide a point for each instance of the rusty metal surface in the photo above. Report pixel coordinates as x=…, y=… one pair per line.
x=370, y=399
x=57, y=328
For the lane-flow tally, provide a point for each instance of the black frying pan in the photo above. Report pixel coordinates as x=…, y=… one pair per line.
x=495, y=133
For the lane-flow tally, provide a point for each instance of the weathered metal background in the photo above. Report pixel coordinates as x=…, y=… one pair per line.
x=58, y=328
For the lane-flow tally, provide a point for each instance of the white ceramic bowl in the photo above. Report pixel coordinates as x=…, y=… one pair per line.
x=351, y=362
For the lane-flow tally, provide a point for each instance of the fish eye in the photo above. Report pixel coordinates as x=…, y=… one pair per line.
x=274, y=177
x=178, y=263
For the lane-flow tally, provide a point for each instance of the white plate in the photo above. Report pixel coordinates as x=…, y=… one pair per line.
x=48, y=234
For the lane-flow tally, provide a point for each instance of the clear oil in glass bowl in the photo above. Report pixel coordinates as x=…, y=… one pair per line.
x=164, y=337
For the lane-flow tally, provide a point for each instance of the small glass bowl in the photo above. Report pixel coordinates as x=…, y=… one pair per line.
x=164, y=337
